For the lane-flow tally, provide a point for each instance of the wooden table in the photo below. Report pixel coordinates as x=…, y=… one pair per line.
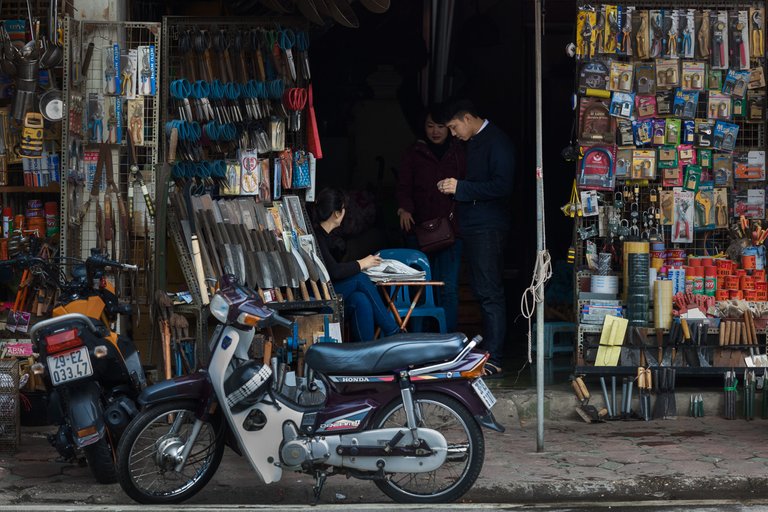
x=390, y=289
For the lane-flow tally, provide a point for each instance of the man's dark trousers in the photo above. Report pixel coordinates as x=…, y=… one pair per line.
x=485, y=260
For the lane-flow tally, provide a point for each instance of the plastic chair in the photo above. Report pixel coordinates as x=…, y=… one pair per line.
x=428, y=308
x=565, y=332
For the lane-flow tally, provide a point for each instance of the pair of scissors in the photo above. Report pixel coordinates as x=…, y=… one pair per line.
x=286, y=40
x=295, y=99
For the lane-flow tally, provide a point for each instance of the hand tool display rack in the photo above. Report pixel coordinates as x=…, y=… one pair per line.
x=77, y=240
x=17, y=10
x=751, y=136
x=172, y=65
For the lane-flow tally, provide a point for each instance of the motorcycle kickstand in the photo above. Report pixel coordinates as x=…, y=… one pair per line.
x=317, y=489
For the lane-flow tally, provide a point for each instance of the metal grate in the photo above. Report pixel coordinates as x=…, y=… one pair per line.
x=9, y=405
x=106, y=114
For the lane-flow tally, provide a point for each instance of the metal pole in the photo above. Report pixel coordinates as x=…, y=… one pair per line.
x=540, y=240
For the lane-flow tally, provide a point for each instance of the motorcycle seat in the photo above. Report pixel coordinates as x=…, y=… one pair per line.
x=384, y=355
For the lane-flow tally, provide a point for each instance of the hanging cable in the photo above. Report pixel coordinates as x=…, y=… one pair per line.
x=534, y=294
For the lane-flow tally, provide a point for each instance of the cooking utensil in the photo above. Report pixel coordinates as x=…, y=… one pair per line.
x=310, y=11
x=52, y=101
x=342, y=12
x=376, y=6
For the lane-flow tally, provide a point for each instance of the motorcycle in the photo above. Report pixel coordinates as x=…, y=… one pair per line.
x=93, y=374
x=406, y=412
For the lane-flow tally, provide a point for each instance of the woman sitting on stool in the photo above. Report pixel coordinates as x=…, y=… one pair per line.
x=363, y=305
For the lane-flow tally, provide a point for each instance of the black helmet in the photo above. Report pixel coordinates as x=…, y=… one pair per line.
x=247, y=385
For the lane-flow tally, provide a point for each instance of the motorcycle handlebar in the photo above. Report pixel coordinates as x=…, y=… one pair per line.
x=100, y=261
x=276, y=319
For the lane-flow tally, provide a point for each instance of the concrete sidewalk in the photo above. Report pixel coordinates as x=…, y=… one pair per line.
x=706, y=458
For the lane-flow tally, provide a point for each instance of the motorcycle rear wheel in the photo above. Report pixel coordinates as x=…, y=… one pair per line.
x=101, y=461
x=466, y=451
x=147, y=449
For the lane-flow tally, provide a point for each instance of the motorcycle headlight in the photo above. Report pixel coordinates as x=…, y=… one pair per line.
x=219, y=307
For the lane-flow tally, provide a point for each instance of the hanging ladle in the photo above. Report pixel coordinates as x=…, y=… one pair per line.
x=54, y=53
x=30, y=50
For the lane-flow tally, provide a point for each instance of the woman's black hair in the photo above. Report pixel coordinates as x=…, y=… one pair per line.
x=328, y=200
x=437, y=112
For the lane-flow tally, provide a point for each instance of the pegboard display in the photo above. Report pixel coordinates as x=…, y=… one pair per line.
x=239, y=103
x=615, y=73
x=112, y=84
x=669, y=144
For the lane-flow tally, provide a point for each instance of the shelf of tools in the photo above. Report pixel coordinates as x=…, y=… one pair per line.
x=32, y=44
x=240, y=161
x=669, y=195
x=30, y=127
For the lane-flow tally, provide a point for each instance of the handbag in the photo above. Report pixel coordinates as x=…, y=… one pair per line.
x=435, y=234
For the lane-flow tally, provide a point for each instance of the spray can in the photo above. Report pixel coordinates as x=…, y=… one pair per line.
x=7, y=221
x=710, y=281
x=51, y=218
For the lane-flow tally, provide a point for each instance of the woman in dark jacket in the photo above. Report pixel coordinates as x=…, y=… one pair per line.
x=363, y=305
x=436, y=157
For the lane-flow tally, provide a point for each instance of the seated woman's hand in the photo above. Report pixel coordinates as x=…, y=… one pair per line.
x=369, y=261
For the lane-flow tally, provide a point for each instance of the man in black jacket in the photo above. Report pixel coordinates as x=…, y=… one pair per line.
x=483, y=209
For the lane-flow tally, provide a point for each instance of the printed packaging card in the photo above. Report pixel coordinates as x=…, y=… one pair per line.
x=623, y=104
x=643, y=164
x=231, y=184
x=704, y=133
x=719, y=106
x=595, y=122
x=667, y=73
x=736, y=83
x=685, y=104
x=128, y=76
x=749, y=166
x=721, y=207
x=645, y=106
x=682, y=216
x=750, y=204
x=756, y=78
x=667, y=201
x=147, y=71
x=621, y=76
x=722, y=164
x=250, y=174
x=725, y=136
x=589, y=203
x=704, y=203
x=645, y=77
x=694, y=75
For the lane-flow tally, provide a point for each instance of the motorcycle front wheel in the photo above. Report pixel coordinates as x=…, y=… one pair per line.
x=101, y=461
x=150, y=445
x=466, y=451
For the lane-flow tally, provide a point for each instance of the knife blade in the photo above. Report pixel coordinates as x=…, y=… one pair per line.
x=300, y=267
x=314, y=275
x=309, y=245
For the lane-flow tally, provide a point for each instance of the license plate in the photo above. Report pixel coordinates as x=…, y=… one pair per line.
x=484, y=393
x=68, y=366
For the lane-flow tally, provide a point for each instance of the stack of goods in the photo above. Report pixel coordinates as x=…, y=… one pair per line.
x=740, y=283
x=39, y=219
x=638, y=291
x=594, y=311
